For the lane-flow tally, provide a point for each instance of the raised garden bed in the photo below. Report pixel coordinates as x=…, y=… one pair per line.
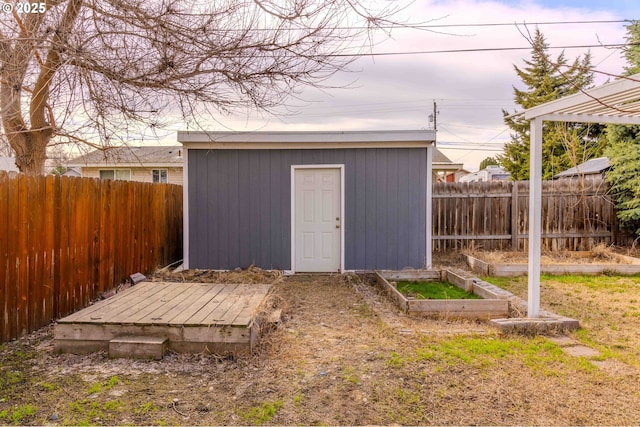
x=492, y=302
x=500, y=307
x=581, y=262
x=432, y=290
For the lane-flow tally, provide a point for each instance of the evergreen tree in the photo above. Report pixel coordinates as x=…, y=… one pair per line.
x=489, y=161
x=623, y=149
x=563, y=144
x=632, y=50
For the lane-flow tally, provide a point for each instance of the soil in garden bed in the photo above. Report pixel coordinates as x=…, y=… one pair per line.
x=433, y=290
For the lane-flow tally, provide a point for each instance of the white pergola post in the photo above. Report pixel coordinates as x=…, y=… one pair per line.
x=535, y=217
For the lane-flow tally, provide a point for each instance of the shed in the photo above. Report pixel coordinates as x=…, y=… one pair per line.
x=308, y=201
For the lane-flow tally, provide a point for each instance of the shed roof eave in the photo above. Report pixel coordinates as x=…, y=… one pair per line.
x=306, y=139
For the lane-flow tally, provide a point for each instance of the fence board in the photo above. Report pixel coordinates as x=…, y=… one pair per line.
x=4, y=256
x=576, y=215
x=48, y=247
x=64, y=241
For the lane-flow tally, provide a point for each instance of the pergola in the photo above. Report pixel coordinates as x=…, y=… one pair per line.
x=616, y=102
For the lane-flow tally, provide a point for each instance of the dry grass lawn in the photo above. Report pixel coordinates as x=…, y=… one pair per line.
x=600, y=254
x=344, y=355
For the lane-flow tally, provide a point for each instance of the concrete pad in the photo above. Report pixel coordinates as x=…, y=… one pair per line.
x=539, y=325
x=581, y=351
x=563, y=340
x=138, y=347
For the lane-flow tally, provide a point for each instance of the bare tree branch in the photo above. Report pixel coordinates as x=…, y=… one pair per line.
x=95, y=70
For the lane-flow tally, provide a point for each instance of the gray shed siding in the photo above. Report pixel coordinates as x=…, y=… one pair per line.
x=240, y=206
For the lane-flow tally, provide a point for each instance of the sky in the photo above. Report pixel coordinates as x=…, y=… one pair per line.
x=464, y=69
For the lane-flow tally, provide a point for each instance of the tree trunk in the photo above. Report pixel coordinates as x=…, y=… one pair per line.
x=31, y=151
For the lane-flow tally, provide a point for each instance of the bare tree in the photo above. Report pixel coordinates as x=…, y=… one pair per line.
x=91, y=70
x=5, y=149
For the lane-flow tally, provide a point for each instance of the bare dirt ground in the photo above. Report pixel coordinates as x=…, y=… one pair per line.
x=342, y=355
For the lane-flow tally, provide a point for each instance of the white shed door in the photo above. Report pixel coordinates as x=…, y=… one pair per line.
x=317, y=220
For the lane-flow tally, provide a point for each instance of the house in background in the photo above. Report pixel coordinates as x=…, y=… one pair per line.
x=8, y=164
x=307, y=201
x=73, y=172
x=444, y=170
x=490, y=173
x=458, y=175
x=591, y=169
x=140, y=163
x=164, y=164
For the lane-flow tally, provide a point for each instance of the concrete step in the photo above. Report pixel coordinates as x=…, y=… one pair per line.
x=138, y=347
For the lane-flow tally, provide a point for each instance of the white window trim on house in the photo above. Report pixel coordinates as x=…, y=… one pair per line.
x=160, y=178
x=115, y=174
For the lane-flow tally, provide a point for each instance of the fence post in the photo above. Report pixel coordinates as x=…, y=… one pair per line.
x=514, y=215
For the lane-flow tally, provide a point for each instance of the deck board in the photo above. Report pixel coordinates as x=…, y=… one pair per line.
x=193, y=316
x=143, y=291
x=219, y=314
x=204, y=316
x=197, y=304
x=154, y=313
x=125, y=313
x=246, y=315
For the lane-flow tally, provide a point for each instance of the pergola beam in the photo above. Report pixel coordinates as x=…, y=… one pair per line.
x=591, y=118
x=614, y=94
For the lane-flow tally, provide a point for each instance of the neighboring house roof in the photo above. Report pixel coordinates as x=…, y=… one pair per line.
x=590, y=167
x=442, y=162
x=131, y=156
x=8, y=164
x=72, y=172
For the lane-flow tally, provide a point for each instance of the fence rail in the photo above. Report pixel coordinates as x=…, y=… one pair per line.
x=64, y=241
x=576, y=215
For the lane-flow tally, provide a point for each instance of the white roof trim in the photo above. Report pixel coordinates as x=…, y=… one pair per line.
x=614, y=102
x=116, y=165
x=307, y=140
x=447, y=166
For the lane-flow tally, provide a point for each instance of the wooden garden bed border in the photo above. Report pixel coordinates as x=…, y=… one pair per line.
x=486, y=268
x=495, y=302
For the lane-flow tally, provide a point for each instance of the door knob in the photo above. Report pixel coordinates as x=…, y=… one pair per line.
x=337, y=225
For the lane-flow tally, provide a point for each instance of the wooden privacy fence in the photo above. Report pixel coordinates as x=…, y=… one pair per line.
x=576, y=214
x=64, y=241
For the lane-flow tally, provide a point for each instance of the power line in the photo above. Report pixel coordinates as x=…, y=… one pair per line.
x=400, y=26
x=488, y=49
x=504, y=24
x=469, y=149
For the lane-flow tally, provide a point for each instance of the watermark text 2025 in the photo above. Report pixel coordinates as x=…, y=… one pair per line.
x=25, y=7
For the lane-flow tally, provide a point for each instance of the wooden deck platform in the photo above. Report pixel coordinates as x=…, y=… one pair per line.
x=192, y=317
